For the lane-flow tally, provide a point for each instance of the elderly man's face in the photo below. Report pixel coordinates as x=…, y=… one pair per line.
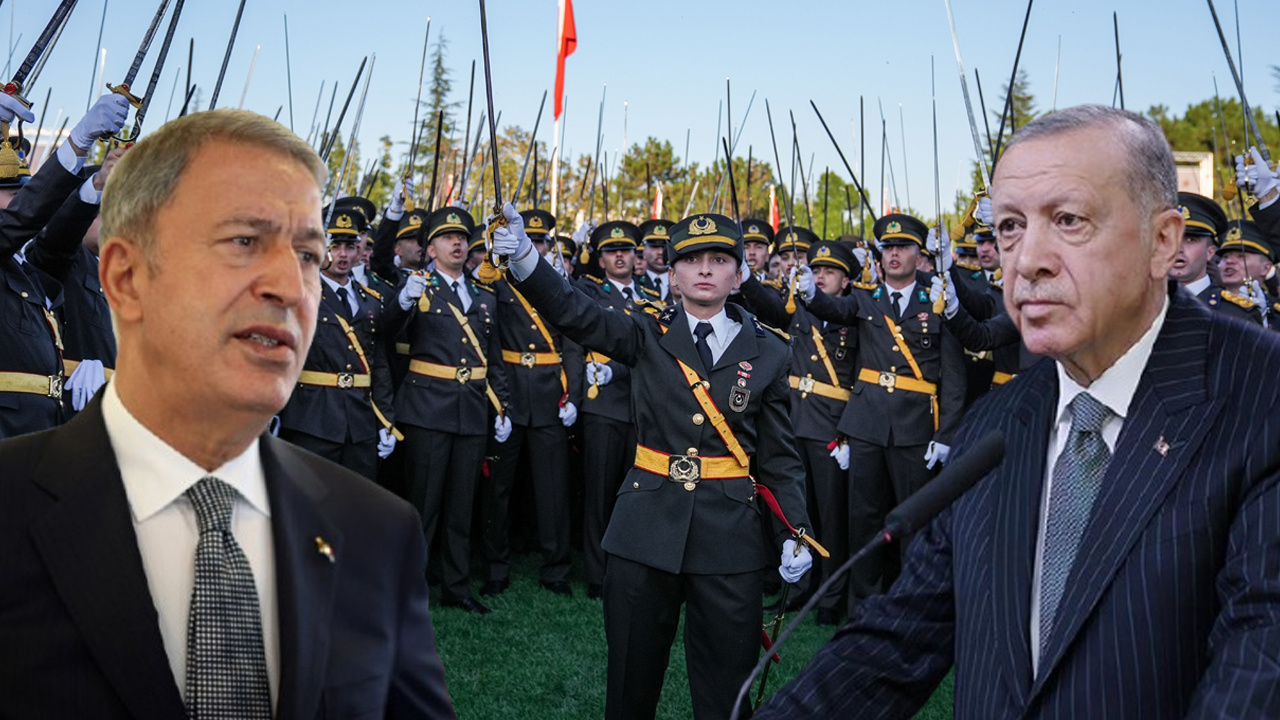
x=1084, y=269
x=229, y=311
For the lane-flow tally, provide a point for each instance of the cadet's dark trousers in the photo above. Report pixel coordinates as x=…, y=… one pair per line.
x=879, y=478
x=829, y=505
x=608, y=453
x=721, y=637
x=549, y=465
x=443, y=469
x=361, y=457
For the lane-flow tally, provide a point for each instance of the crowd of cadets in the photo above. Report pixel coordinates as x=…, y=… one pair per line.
x=455, y=393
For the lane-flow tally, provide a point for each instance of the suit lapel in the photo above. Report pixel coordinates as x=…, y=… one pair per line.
x=1168, y=419
x=90, y=549
x=745, y=345
x=330, y=299
x=679, y=342
x=305, y=576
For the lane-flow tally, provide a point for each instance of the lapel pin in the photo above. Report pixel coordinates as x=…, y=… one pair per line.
x=323, y=548
x=1162, y=447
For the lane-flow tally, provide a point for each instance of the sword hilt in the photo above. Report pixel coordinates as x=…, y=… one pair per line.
x=123, y=89
x=14, y=89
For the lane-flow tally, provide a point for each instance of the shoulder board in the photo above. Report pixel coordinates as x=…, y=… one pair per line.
x=376, y=295
x=863, y=286
x=653, y=310
x=666, y=316
x=761, y=328
x=594, y=279
x=1234, y=299
x=481, y=286
x=969, y=265
x=649, y=291
x=773, y=283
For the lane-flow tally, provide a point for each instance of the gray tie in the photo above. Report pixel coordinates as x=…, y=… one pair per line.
x=226, y=663
x=1077, y=476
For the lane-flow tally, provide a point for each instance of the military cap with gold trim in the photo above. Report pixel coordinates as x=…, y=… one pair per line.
x=900, y=229
x=15, y=170
x=345, y=225
x=477, y=239
x=567, y=248
x=411, y=224
x=757, y=231
x=803, y=238
x=655, y=232
x=836, y=254
x=615, y=235
x=704, y=232
x=368, y=211
x=1246, y=236
x=538, y=224
x=1201, y=215
x=449, y=219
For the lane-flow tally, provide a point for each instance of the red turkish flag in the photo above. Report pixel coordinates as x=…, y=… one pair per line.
x=568, y=42
x=773, y=209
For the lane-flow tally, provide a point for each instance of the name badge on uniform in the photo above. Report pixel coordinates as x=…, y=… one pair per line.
x=738, y=397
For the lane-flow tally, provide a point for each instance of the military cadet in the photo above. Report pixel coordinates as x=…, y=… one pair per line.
x=475, y=249
x=31, y=347
x=1204, y=220
x=971, y=283
x=653, y=236
x=364, y=213
x=909, y=393
x=686, y=527
x=456, y=374
x=757, y=239
x=1246, y=259
x=823, y=368
x=341, y=408
x=790, y=245
x=544, y=372
x=568, y=253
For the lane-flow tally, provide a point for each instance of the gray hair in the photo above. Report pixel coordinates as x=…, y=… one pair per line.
x=145, y=178
x=1149, y=167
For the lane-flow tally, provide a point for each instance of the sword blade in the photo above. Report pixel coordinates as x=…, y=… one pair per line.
x=417, y=102
x=493, y=126
x=155, y=74
x=28, y=63
x=968, y=105
x=533, y=140
x=44, y=57
x=213, y=102
x=328, y=146
x=1235, y=75
x=146, y=44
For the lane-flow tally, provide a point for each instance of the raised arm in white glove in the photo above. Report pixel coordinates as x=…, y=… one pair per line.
x=386, y=443
x=794, y=563
x=804, y=283
x=401, y=192
x=11, y=107
x=599, y=374
x=511, y=239
x=412, y=290
x=84, y=382
x=940, y=243
x=580, y=235
x=104, y=119
x=936, y=288
x=936, y=454
x=983, y=212
x=1261, y=177
x=568, y=414
x=501, y=428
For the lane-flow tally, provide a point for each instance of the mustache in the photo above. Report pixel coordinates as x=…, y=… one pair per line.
x=1036, y=291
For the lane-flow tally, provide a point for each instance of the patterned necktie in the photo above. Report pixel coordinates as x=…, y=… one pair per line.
x=226, y=663
x=702, y=330
x=1077, y=476
x=895, y=297
x=342, y=301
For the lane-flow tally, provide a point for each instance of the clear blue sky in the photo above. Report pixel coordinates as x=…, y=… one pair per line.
x=668, y=60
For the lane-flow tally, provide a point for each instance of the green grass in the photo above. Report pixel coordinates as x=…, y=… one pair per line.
x=543, y=656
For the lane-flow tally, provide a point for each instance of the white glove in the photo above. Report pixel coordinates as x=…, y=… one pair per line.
x=599, y=374
x=104, y=119
x=11, y=107
x=568, y=414
x=983, y=212
x=861, y=255
x=942, y=249
x=412, y=290
x=936, y=454
x=936, y=288
x=84, y=382
x=841, y=454
x=580, y=235
x=511, y=239
x=399, y=193
x=744, y=270
x=1261, y=176
x=501, y=428
x=804, y=283
x=1253, y=291
x=386, y=443
x=794, y=565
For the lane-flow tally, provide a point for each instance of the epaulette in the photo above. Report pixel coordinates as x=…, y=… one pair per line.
x=666, y=316
x=1276, y=307
x=649, y=291
x=376, y=295
x=761, y=328
x=596, y=280
x=1240, y=300
x=863, y=286
x=968, y=264
x=652, y=310
x=481, y=286
x=772, y=282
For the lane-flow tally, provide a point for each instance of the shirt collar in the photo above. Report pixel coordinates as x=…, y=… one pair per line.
x=333, y=284
x=1117, y=384
x=719, y=323
x=629, y=286
x=659, y=277
x=906, y=291
x=1196, y=287
x=155, y=474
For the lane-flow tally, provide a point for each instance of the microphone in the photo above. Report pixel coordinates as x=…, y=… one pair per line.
x=914, y=513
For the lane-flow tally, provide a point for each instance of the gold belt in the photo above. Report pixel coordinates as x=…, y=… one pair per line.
x=689, y=469
x=447, y=372
x=808, y=385
x=1001, y=378
x=69, y=366
x=891, y=381
x=335, y=380
x=530, y=359
x=31, y=384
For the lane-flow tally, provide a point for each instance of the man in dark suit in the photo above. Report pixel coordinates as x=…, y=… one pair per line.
x=165, y=556
x=1121, y=561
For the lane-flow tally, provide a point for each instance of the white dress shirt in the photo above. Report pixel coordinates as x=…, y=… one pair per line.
x=906, y=295
x=352, y=305
x=464, y=297
x=1115, y=389
x=360, y=273
x=723, y=330
x=1195, y=287
x=156, y=478
x=659, y=282
x=629, y=287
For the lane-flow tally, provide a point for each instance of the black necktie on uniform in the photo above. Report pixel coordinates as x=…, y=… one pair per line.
x=226, y=663
x=342, y=301
x=894, y=297
x=702, y=330
x=626, y=294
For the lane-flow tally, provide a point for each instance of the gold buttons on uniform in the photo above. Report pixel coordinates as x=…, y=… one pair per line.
x=464, y=341
x=532, y=346
x=635, y=485
x=698, y=419
x=813, y=358
x=693, y=452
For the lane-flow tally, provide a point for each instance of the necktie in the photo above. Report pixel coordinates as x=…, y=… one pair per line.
x=895, y=298
x=626, y=294
x=1077, y=476
x=702, y=330
x=226, y=663
x=342, y=301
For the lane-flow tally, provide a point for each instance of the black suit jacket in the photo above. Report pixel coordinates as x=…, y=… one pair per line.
x=1172, y=608
x=80, y=632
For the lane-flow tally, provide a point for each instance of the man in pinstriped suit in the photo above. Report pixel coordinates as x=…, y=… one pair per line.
x=1164, y=602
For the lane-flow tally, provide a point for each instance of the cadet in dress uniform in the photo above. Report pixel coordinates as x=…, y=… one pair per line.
x=685, y=530
x=653, y=237
x=968, y=278
x=757, y=244
x=544, y=372
x=823, y=368
x=1245, y=255
x=909, y=393
x=1204, y=221
x=341, y=408
x=456, y=376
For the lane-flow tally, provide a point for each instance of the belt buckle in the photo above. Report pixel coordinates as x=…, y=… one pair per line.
x=346, y=380
x=806, y=385
x=55, y=387
x=685, y=469
x=462, y=375
x=888, y=381
x=528, y=359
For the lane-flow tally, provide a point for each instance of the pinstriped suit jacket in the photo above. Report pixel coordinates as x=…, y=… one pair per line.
x=1173, y=606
